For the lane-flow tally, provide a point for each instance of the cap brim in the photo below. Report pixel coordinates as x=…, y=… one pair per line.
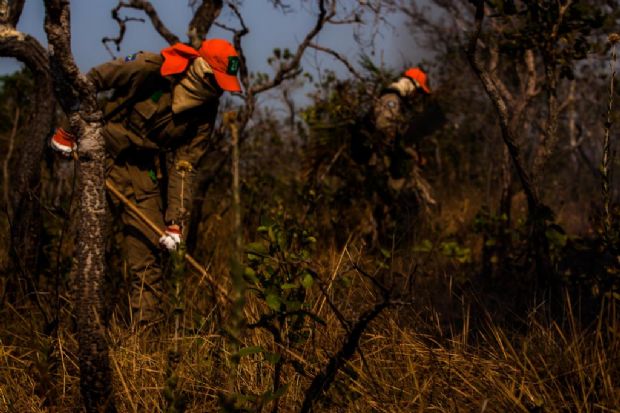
x=229, y=83
x=426, y=89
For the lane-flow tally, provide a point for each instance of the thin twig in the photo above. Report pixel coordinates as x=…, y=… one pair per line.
x=339, y=57
x=7, y=160
x=613, y=39
x=149, y=10
x=291, y=66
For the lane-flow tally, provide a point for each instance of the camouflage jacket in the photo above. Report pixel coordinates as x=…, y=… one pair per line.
x=378, y=141
x=390, y=116
x=140, y=123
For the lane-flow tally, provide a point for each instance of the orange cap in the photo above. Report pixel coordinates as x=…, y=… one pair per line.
x=218, y=53
x=419, y=77
x=224, y=60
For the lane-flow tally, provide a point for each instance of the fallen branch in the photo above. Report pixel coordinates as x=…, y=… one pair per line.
x=322, y=381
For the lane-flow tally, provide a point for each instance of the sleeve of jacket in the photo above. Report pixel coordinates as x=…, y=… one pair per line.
x=180, y=188
x=125, y=72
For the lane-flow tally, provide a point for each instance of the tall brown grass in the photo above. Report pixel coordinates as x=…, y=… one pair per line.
x=410, y=359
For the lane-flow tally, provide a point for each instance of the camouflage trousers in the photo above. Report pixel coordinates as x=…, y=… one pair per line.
x=140, y=246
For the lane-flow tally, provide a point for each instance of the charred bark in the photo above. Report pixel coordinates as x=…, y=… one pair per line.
x=78, y=99
x=24, y=208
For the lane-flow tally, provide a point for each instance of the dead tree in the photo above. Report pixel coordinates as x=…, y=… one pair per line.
x=537, y=211
x=24, y=209
x=78, y=99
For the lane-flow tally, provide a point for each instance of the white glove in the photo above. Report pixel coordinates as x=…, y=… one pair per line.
x=171, y=238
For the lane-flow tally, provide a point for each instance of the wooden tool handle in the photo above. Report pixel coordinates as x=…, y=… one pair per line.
x=160, y=231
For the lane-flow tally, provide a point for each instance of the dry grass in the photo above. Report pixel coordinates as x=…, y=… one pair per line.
x=404, y=364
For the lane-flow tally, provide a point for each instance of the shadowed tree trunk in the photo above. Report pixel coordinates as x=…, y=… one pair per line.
x=78, y=98
x=536, y=210
x=24, y=207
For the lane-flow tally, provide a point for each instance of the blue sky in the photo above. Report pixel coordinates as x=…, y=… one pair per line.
x=269, y=28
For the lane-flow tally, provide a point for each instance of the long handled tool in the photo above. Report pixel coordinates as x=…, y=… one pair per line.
x=110, y=186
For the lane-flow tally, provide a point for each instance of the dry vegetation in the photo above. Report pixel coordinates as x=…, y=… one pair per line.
x=501, y=297
x=409, y=359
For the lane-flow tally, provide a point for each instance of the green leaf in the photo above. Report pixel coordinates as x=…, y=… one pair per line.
x=246, y=351
x=424, y=246
x=307, y=281
x=271, y=234
x=272, y=358
x=288, y=286
x=273, y=301
x=250, y=274
x=257, y=247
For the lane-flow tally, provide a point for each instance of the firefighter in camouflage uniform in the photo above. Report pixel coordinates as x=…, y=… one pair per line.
x=383, y=146
x=158, y=122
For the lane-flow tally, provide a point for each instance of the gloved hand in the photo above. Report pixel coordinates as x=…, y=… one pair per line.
x=171, y=239
x=63, y=142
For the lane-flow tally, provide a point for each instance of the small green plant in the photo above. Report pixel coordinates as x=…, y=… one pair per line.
x=278, y=273
x=175, y=399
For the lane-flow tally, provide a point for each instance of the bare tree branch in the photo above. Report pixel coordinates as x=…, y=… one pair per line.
x=150, y=11
x=323, y=381
x=550, y=137
x=607, y=153
x=203, y=19
x=291, y=66
x=501, y=108
x=537, y=212
x=339, y=57
x=122, y=29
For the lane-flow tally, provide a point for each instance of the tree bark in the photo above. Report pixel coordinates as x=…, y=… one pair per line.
x=25, y=211
x=77, y=97
x=203, y=19
x=538, y=213
x=502, y=111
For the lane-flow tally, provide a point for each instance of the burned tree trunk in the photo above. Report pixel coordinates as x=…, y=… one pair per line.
x=78, y=98
x=24, y=209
